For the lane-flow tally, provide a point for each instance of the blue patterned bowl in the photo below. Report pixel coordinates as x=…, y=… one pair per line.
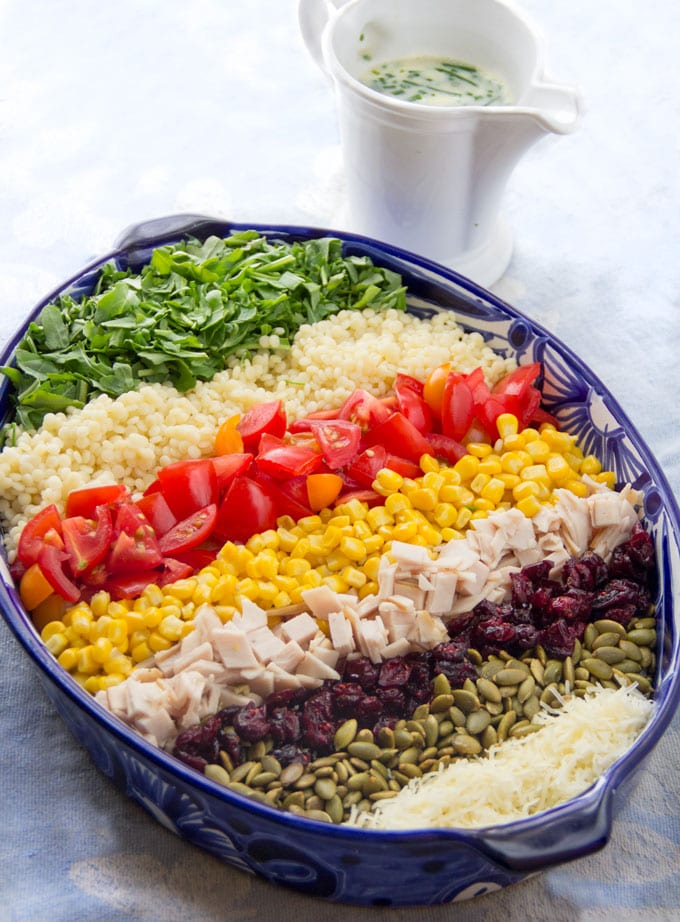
x=347, y=864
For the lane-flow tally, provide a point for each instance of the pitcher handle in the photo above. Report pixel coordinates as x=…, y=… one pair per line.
x=559, y=105
x=313, y=17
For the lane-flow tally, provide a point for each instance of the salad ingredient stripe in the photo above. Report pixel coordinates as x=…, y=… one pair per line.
x=180, y=319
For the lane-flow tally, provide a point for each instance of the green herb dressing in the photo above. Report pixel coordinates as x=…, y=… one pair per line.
x=436, y=81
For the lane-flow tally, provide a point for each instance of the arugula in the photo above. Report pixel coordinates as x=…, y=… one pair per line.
x=178, y=321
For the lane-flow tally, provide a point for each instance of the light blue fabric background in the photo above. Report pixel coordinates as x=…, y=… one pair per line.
x=112, y=113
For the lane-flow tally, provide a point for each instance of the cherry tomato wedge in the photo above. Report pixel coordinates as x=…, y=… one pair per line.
x=154, y=507
x=364, y=409
x=51, y=560
x=433, y=389
x=289, y=496
x=458, y=406
x=85, y=500
x=132, y=584
x=400, y=437
x=229, y=466
x=445, y=448
x=338, y=439
x=247, y=508
x=263, y=418
x=87, y=541
x=283, y=460
x=189, y=533
x=228, y=439
x=411, y=403
x=43, y=528
x=517, y=382
x=189, y=485
x=135, y=546
x=34, y=587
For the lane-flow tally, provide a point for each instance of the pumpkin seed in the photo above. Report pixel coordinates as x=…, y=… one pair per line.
x=631, y=650
x=262, y=779
x=441, y=685
x=345, y=734
x=478, y=721
x=606, y=625
x=290, y=774
x=487, y=689
x=325, y=788
x=505, y=724
x=320, y=816
x=552, y=672
x=537, y=671
x=526, y=689
x=217, y=773
x=466, y=700
x=335, y=809
x=441, y=703
x=364, y=750
x=242, y=770
x=609, y=654
x=466, y=745
x=643, y=637
x=606, y=639
x=597, y=668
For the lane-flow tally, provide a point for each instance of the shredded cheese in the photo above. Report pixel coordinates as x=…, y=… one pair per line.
x=522, y=776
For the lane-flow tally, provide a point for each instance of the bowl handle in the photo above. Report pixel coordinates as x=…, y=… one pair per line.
x=177, y=225
x=568, y=837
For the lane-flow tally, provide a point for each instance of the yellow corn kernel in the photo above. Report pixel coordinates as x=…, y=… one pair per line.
x=405, y=531
x=529, y=435
x=558, y=469
x=91, y=684
x=172, y=628
x=397, y=502
x=493, y=491
x=336, y=583
x=423, y=499
x=87, y=664
x=369, y=588
x=336, y=561
x=560, y=442
x=481, y=503
x=451, y=477
x=513, y=461
x=467, y=467
x=267, y=591
x=428, y=464
x=513, y=442
x=81, y=619
x=591, y=465
x=281, y=600
x=356, y=510
x=353, y=548
x=538, y=449
x=378, y=516
x=301, y=548
x=152, y=617
x=311, y=580
x=451, y=534
x=536, y=472
x=371, y=567
x=99, y=603
x=507, y=425
x=444, y=514
x=491, y=465
x=118, y=665
x=524, y=489
x=577, y=487
x=353, y=577
x=157, y=642
x=458, y=496
x=101, y=650
x=387, y=481
x=362, y=530
x=296, y=567
x=478, y=482
x=479, y=449
x=287, y=539
x=574, y=459
x=479, y=514
x=52, y=628
x=255, y=544
x=606, y=477
x=529, y=505
x=509, y=480
x=141, y=652
x=57, y=643
x=431, y=536
x=433, y=481
x=108, y=681
x=309, y=523
x=68, y=660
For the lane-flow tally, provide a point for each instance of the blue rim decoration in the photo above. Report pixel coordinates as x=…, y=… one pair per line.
x=348, y=864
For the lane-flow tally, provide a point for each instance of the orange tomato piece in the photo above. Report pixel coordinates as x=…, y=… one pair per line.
x=50, y=609
x=433, y=389
x=323, y=490
x=229, y=440
x=34, y=587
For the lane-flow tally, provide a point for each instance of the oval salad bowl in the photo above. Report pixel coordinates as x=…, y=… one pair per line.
x=346, y=863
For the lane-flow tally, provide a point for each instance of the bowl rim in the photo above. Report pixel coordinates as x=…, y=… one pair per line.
x=492, y=840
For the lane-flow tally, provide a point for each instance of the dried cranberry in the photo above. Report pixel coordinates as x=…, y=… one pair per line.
x=284, y=725
x=536, y=572
x=617, y=593
x=586, y=572
x=526, y=636
x=574, y=605
x=392, y=700
x=229, y=740
x=346, y=698
x=287, y=697
x=251, y=723
x=369, y=709
x=451, y=652
x=290, y=753
x=558, y=639
x=200, y=741
x=521, y=588
x=317, y=729
x=394, y=673
x=456, y=673
x=362, y=671
x=460, y=624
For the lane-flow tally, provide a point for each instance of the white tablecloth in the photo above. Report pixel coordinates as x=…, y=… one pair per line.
x=111, y=113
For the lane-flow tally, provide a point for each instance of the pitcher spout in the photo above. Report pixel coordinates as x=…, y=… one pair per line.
x=556, y=108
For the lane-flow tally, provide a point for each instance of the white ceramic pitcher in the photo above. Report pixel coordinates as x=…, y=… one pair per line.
x=426, y=178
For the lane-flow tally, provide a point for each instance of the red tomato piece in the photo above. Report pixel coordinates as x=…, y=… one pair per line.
x=190, y=532
x=247, y=508
x=263, y=418
x=189, y=485
x=458, y=406
x=408, y=381
x=197, y=558
x=51, y=561
x=154, y=507
x=445, y=448
x=365, y=466
x=43, y=528
x=289, y=496
x=87, y=542
x=229, y=466
x=363, y=496
x=400, y=437
x=338, y=439
x=135, y=546
x=84, y=501
x=517, y=382
x=130, y=585
x=411, y=403
x=283, y=460
x=364, y=409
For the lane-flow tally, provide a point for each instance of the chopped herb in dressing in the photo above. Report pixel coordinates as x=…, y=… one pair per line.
x=437, y=82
